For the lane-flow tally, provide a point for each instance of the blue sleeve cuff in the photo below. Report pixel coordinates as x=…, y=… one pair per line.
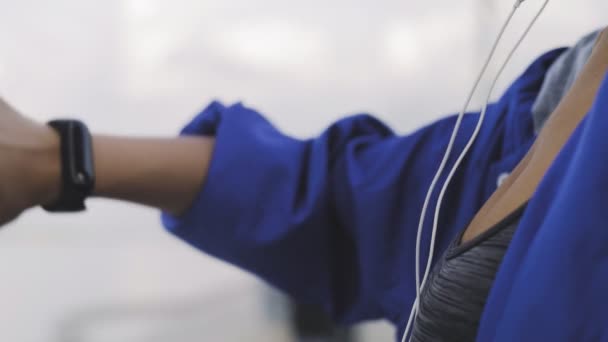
x=205, y=124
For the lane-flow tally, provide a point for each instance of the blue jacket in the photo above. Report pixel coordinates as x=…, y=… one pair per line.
x=332, y=220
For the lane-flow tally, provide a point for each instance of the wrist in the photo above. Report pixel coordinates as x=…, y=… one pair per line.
x=45, y=166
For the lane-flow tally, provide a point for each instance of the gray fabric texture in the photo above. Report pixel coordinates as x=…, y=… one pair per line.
x=454, y=298
x=560, y=78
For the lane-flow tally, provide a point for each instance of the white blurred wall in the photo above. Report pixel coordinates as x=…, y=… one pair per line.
x=145, y=67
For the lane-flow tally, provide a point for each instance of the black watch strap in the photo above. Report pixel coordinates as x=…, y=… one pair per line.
x=77, y=168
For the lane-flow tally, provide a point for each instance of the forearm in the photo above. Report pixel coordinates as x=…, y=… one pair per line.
x=165, y=173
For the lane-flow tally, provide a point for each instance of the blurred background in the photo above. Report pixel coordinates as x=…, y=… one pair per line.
x=144, y=67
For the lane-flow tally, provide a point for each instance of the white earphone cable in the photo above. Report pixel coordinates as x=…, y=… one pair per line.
x=420, y=285
x=449, y=150
x=474, y=137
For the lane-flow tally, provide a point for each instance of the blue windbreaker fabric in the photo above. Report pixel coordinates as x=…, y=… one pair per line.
x=332, y=221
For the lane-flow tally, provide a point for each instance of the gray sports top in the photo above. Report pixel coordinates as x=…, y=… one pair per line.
x=453, y=300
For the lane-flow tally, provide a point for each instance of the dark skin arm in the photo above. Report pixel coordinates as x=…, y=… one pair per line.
x=162, y=173
x=165, y=173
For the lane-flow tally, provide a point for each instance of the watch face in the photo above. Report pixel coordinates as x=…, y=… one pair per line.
x=80, y=147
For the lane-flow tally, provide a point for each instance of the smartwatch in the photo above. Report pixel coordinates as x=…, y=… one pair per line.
x=77, y=168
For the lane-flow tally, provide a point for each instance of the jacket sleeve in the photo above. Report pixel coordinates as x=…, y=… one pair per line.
x=331, y=220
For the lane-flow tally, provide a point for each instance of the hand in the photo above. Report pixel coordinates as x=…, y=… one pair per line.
x=29, y=163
